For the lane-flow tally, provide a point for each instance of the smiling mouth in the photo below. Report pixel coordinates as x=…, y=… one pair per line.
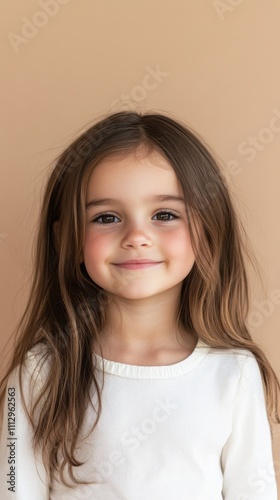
x=138, y=265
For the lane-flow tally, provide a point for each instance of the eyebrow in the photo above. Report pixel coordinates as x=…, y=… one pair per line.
x=147, y=199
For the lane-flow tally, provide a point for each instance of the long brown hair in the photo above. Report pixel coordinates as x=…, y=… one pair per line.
x=66, y=310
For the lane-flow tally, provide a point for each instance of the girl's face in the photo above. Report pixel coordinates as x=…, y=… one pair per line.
x=133, y=224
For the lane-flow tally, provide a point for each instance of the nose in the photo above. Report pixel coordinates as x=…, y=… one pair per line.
x=136, y=236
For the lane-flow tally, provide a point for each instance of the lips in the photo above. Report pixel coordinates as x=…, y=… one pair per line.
x=137, y=261
x=137, y=264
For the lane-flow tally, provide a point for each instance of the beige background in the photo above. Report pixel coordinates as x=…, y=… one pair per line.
x=214, y=64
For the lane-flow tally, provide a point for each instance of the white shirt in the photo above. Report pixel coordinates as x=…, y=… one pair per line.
x=194, y=430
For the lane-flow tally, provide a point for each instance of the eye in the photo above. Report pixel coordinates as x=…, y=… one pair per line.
x=105, y=219
x=167, y=214
x=108, y=218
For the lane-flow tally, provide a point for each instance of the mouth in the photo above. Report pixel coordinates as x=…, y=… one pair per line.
x=137, y=265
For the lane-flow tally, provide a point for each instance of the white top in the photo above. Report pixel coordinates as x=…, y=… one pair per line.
x=196, y=430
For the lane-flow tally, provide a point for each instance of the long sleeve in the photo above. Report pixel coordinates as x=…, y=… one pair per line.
x=247, y=459
x=22, y=474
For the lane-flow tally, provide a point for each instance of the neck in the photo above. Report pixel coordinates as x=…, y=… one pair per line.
x=144, y=326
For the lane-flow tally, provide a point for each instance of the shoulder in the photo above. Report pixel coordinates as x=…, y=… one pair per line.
x=238, y=356
x=239, y=364
x=38, y=358
x=34, y=370
x=27, y=379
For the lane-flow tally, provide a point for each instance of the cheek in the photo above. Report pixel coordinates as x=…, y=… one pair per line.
x=95, y=247
x=178, y=243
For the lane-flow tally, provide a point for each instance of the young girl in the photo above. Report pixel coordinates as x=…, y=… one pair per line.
x=135, y=376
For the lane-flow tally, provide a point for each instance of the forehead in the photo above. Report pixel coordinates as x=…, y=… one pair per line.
x=133, y=173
